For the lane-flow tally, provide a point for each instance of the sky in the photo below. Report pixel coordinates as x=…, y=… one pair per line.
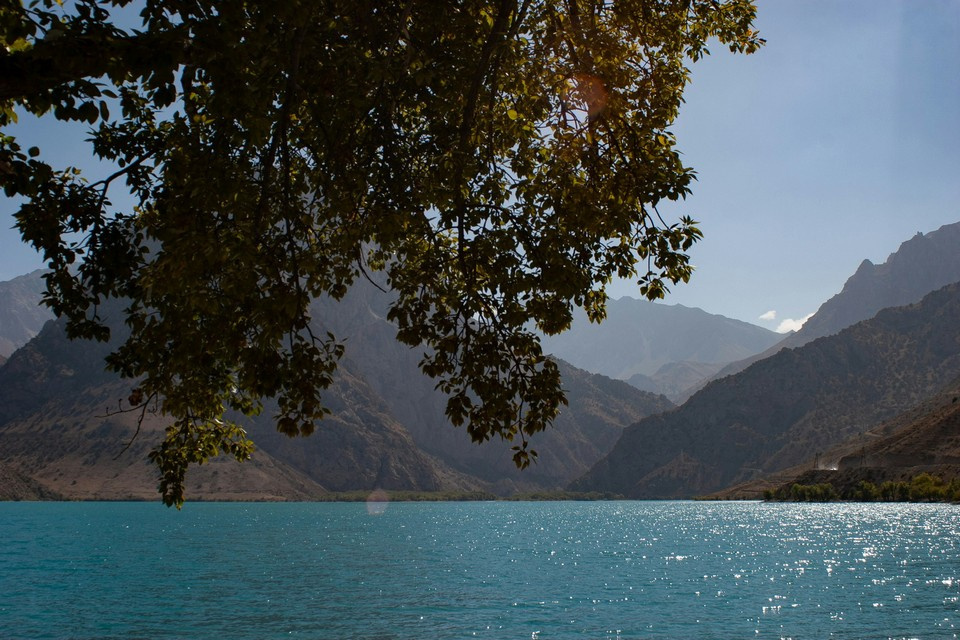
x=835, y=143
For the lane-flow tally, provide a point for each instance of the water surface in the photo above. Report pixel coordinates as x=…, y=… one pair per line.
x=487, y=570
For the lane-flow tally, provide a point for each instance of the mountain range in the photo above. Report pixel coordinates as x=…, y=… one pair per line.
x=865, y=391
x=788, y=407
x=62, y=427
x=920, y=265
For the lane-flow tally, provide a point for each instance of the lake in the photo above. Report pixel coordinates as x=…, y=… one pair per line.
x=479, y=570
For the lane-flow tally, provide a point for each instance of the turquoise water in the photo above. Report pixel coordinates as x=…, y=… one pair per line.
x=486, y=570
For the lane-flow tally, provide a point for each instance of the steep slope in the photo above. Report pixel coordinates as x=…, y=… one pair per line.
x=926, y=436
x=783, y=410
x=923, y=439
x=21, y=314
x=15, y=485
x=61, y=425
x=639, y=336
x=922, y=264
x=585, y=431
x=361, y=445
x=599, y=408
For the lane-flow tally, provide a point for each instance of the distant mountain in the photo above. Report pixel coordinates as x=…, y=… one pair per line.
x=641, y=337
x=785, y=409
x=60, y=425
x=676, y=380
x=21, y=314
x=922, y=264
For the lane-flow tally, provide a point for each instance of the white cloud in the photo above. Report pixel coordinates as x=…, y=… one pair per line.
x=789, y=324
x=769, y=315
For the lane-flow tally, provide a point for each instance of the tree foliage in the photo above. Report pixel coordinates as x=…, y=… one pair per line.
x=499, y=161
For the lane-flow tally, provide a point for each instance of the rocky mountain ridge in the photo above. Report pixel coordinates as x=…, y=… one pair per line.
x=924, y=263
x=785, y=409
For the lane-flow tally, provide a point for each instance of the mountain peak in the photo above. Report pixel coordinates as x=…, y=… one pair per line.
x=924, y=263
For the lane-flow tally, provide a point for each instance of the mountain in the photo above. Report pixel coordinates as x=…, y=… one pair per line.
x=599, y=408
x=923, y=439
x=676, y=380
x=785, y=409
x=15, y=485
x=641, y=337
x=922, y=264
x=21, y=314
x=61, y=425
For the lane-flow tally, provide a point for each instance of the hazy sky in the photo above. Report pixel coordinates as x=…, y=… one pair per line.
x=835, y=143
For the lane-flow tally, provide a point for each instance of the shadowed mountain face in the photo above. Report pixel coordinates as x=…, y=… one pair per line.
x=645, y=338
x=21, y=314
x=785, y=409
x=15, y=485
x=922, y=264
x=923, y=439
x=61, y=426
x=926, y=436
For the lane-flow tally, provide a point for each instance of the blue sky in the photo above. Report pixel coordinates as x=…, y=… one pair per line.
x=835, y=143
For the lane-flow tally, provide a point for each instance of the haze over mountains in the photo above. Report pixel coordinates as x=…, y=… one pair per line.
x=658, y=347
x=818, y=388
x=848, y=386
